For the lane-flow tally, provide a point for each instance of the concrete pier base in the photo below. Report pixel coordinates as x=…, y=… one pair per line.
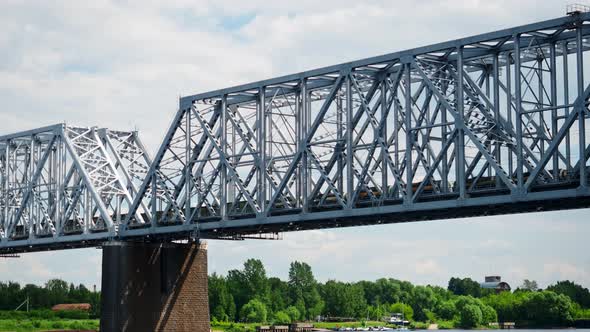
x=154, y=287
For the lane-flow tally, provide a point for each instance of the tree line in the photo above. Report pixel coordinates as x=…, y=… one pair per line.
x=55, y=291
x=249, y=295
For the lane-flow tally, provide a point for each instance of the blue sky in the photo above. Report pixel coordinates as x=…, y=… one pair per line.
x=124, y=64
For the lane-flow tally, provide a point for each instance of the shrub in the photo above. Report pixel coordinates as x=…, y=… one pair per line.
x=77, y=325
x=281, y=317
x=57, y=325
x=26, y=325
x=235, y=328
x=446, y=310
x=254, y=311
x=446, y=325
x=405, y=308
x=42, y=314
x=471, y=316
x=293, y=313
x=489, y=315
x=73, y=314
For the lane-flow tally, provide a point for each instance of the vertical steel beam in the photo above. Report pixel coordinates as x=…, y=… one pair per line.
x=5, y=189
x=540, y=103
x=509, y=108
x=461, y=137
x=444, y=138
x=298, y=140
x=518, y=121
x=154, y=203
x=396, y=132
x=224, y=171
x=408, y=127
x=188, y=168
x=59, y=179
x=31, y=179
x=496, y=98
x=554, y=125
x=303, y=146
x=568, y=152
x=383, y=138
x=349, y=142
x=581, y=110
x=339, y=136
x=261, y=125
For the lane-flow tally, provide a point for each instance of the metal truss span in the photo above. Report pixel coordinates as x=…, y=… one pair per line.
x=65, y=186
x=495, y=123
x=490, y=124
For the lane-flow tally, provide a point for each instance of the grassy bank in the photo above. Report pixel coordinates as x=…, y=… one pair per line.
x=331, y=325
x=48, y=324
x=442, y=325
x=231, y=327
x=46, y=320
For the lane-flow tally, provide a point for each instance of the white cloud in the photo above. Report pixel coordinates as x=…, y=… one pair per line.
x=563, y=270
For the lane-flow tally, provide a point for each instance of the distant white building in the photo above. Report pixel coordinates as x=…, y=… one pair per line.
x=495, y=282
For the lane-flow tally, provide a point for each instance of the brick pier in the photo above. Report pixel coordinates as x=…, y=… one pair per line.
x=154, y=287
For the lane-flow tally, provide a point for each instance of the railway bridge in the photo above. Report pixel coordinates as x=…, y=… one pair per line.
x=489, y=124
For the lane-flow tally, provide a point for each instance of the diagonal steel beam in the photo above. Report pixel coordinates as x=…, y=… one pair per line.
x=579, y=107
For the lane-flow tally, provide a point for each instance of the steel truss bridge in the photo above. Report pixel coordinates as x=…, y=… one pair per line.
x=489, y=124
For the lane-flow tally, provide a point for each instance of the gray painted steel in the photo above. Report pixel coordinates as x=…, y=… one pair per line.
x=490, y=124
x=65, y=186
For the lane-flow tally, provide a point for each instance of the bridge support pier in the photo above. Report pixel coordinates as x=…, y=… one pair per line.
x=154, y=287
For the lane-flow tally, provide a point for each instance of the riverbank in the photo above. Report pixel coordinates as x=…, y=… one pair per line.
x=374, y=326
x=22, y=325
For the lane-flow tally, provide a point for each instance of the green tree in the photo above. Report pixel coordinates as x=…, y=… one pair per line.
x=388, y=291
x=256, y=280
x=423, y=299
x=542, y=309
x=344, y=300
x=470, y=316
x=221, y=302
x=508, y=306
x=281, y=317
x=279, y=294
x=549, y=309
x=575, y=292
x=529, y=285
x=489, y=315
x=465, y=286
x=375, y=312
x=249, y=283
x=57, y=290
x=304, y=291
x=11, y=295
x=293, y=313
x=254, y=312
x=399, y=308
x=446, y=310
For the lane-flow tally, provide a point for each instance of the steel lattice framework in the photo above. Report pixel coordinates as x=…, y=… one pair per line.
x=490, y=124
x=67, y=186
